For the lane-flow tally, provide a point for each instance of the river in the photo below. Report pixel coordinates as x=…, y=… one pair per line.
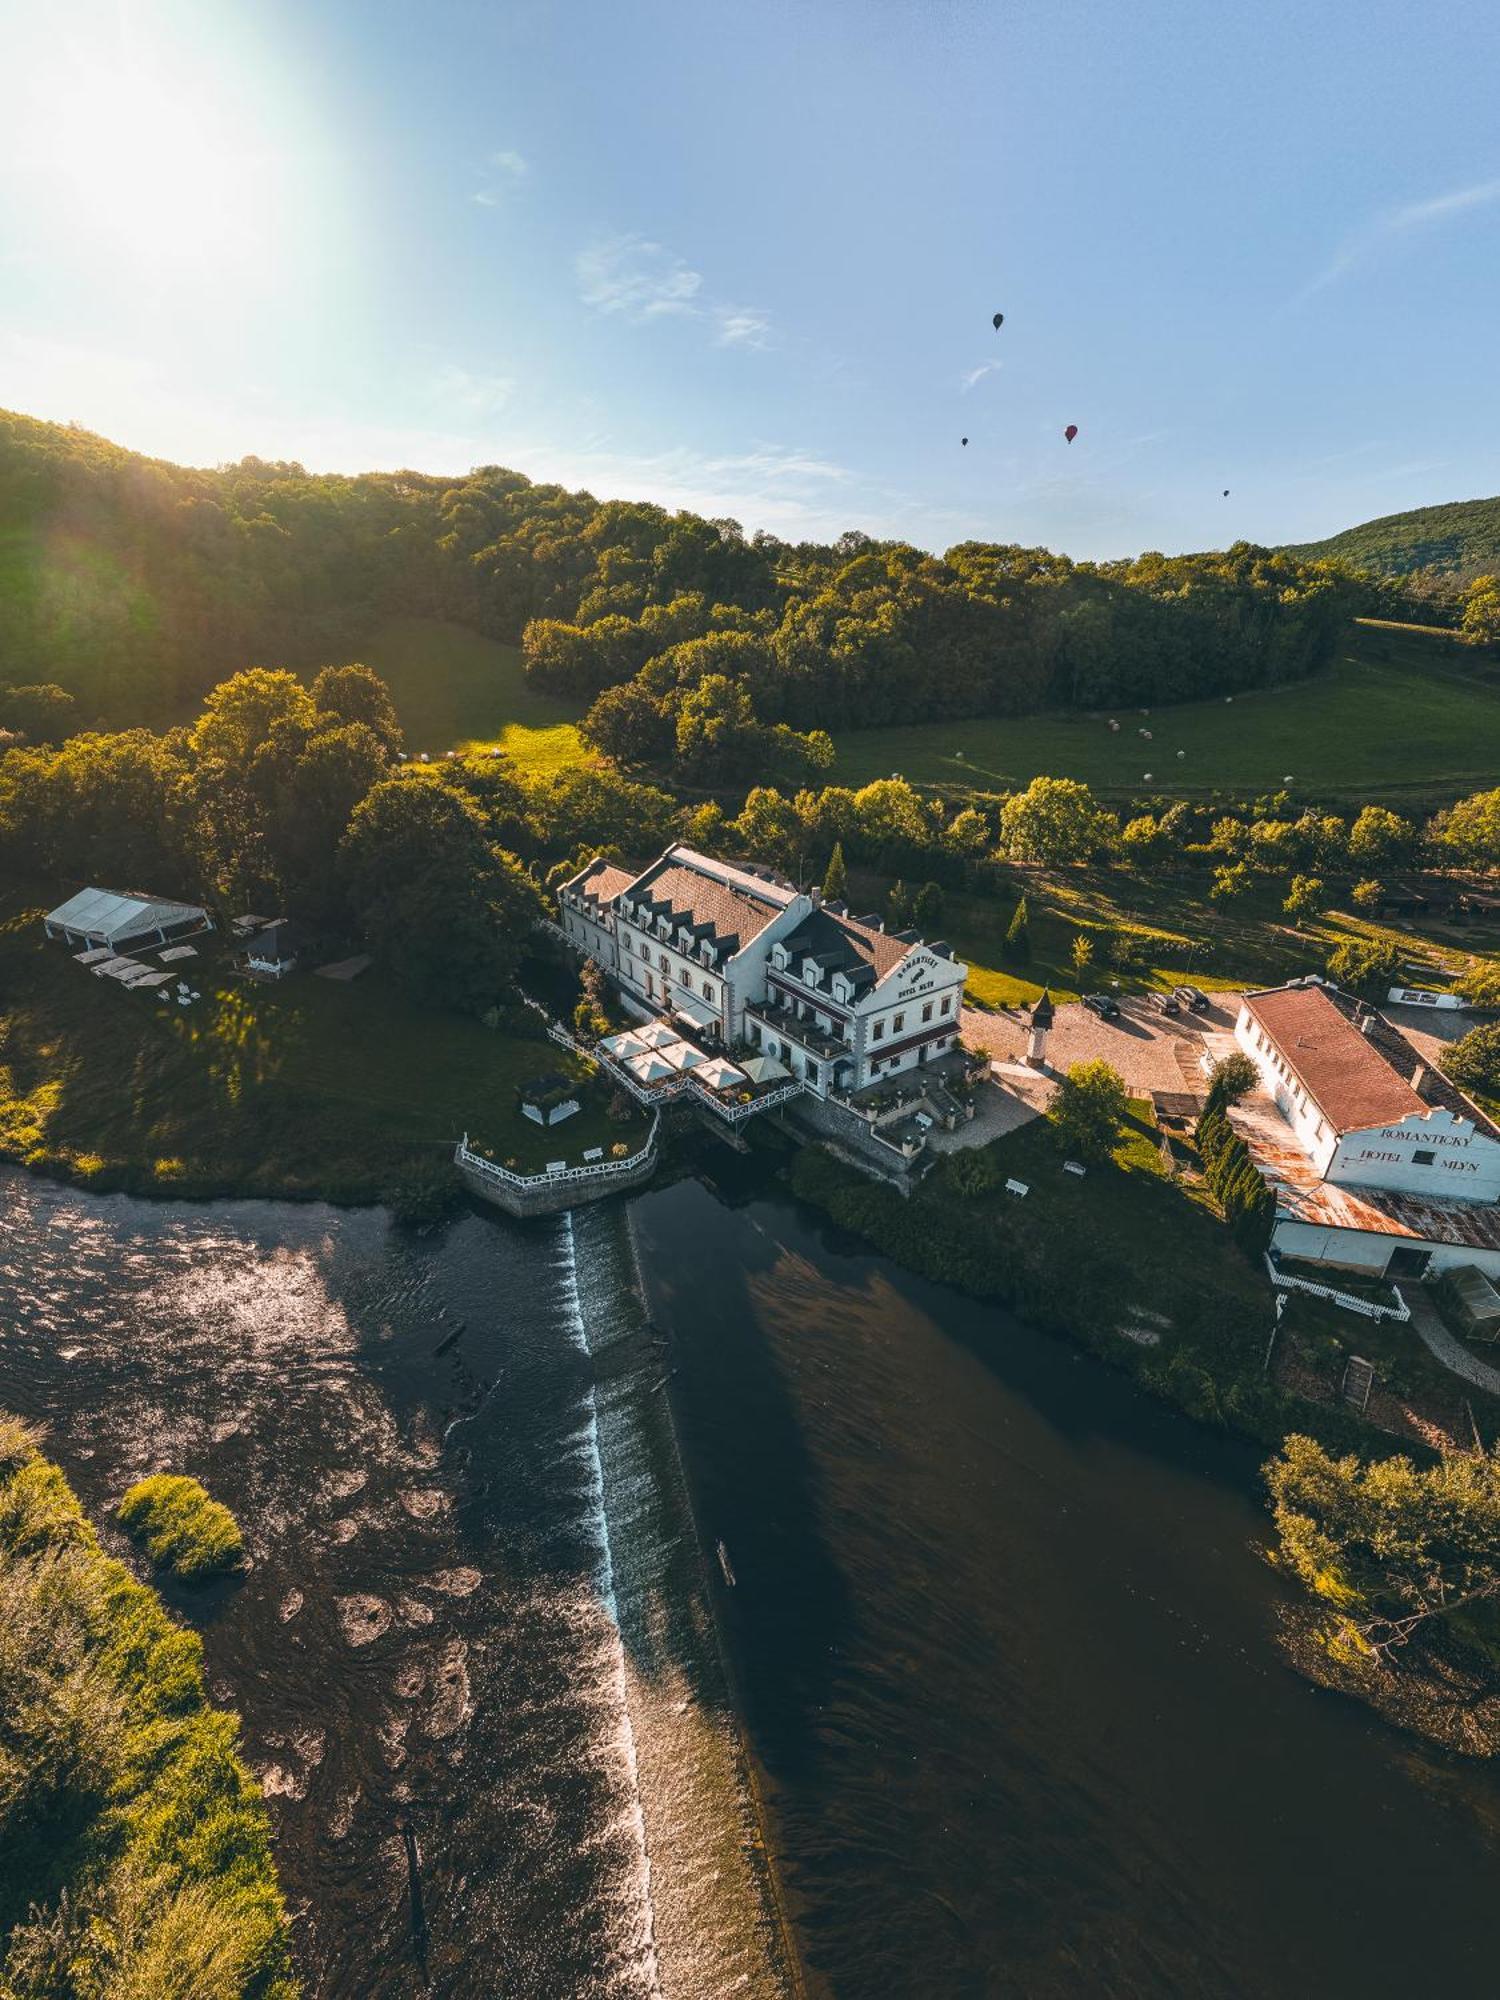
x=1002, y=1641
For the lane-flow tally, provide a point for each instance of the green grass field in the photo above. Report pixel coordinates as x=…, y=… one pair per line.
x=1405, y=715
x=308, y=1088
x=454, y=689
x=1171, y=924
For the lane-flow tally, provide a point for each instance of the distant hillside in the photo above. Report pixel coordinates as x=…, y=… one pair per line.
x=1459, y=541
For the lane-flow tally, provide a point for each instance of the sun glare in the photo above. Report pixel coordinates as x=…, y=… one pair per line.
x=166, y=154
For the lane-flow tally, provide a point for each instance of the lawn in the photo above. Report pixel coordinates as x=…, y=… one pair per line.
x=308, y=1088
x=1173, y=930
x=454, y=689
x=1405, y=715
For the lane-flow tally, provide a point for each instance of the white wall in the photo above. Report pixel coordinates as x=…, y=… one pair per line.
x=1439, y=1156
x=1315, y=1135
x=1359, y=1250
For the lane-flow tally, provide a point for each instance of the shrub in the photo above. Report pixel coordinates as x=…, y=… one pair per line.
x=1088, y=1109
x=1364, y=966
x=1368, y=894
x=1017, y=946
x=1474, y=1062
x=184, y=1530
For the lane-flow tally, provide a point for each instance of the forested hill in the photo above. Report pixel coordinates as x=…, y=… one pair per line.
x=1460, y=540
x=136, y=585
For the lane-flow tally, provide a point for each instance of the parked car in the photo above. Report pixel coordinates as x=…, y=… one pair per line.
x=1165, y=1003
x=1191, y=998
x=1102, y=1004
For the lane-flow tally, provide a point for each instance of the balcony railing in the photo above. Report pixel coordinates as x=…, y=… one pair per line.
x=782, y=1021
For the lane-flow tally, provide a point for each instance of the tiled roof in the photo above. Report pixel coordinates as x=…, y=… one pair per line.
x=843, y=944
x=1403, y=1054
x=726, y=905
x=602, y=881
x=1350, y=1080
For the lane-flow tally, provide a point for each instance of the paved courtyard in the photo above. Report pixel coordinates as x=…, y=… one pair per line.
x=1151, y=1051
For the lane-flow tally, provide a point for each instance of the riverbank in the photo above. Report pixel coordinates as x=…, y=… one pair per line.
x=137, y=1845
x=1131, y=1265
x=309, y=1089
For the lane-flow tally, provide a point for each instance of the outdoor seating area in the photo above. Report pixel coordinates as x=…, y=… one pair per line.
x=138, y=974
x=655, y=1054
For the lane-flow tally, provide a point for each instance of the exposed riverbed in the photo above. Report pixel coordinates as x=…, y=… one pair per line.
x=1003, y=1635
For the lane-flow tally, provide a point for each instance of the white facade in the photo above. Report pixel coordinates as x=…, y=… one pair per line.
x=1369, y=1175
x=738, y=957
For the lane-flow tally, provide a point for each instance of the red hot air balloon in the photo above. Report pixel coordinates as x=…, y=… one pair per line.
x=1071, y=432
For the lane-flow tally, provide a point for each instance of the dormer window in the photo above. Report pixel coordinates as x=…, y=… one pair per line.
x=779, y=957
x=812, y=972
x=841, y=987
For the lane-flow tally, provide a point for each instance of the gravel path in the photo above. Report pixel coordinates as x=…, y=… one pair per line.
x=1142, y=1045
x=1442, y=1346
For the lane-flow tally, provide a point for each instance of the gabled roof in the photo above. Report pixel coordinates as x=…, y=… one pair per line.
x=1347, y=1077
x=112, y=913
x=601, y=881
x=728, y=906
x=861, y=952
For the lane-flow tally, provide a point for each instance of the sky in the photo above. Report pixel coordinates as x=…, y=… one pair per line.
x=743, y=258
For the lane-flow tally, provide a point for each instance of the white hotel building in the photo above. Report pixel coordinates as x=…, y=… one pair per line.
x=740, y=957
x=1378, y=1163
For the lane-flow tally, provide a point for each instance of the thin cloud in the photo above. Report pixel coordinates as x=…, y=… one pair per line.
x=512, y=168
x=1395, y=224
x=457, y=389
x=975, y=375
x=741, y=326
x=642, y=281
x=636, y=278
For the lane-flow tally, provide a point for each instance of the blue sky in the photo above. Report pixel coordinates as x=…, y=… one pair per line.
x=743, y=257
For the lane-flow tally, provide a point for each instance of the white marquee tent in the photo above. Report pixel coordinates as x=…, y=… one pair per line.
x=108, y=917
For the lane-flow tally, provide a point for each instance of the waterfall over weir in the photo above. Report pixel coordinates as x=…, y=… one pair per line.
x=476, y=1611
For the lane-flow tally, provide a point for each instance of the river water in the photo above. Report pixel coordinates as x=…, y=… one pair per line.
x=1001, y=1637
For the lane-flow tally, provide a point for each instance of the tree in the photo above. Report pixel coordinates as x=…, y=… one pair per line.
x=927, y=907
x=1367, y=895
x=1088, y=1108
x=1380, y=837
x=1017, y=946
x=1362, y=966
x=836, y=876
x=1304, y=897
x=1056, y=822
x=1481, y=618
x=446, y=911
x=1473, y=1062
x=1479, y=982
x=1232, y=884
x=1083, y=956
x=897, y=907
x=1232, y=1078
x=241, y=713
x=1471, y=830
x=1398, y=1551
x=334, y=772
x=358, y=694
x=628, y=724
x=42, y=714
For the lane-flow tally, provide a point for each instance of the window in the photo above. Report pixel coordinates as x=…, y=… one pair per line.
x=810, y=1071
x=1420, y=1159
x=898, y=1022
x=927, y=1011
x=662, y=962
x=877, y=1033
x=685, y=978
x=947, y=1006
x=708, y=989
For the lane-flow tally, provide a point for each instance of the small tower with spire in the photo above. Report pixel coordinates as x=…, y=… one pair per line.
x=1036, y=1041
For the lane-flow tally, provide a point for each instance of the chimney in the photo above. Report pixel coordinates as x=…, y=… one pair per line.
x=1419, y=1079
x=817, y=896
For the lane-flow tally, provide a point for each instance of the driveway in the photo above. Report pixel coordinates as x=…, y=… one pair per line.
x=1151, y=1051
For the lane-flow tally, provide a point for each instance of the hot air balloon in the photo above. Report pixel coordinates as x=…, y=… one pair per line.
x=1071, y=432
x=963, y=440
x=1226, y=492
x=999, y=321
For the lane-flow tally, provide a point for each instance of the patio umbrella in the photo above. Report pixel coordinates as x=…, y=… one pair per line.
x=764, y=1069
x=682, y=1055
x=649, y=1067
x=720, y=1075
x=627, y=1043
x=656, y=1035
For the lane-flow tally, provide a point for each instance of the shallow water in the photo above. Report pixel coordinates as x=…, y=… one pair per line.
x=475, y=1605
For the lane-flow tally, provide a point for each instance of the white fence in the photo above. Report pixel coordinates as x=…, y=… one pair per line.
x=1285, y=1281
x=598, y=1170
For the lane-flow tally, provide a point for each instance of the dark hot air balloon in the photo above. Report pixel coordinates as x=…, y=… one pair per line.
x=963, y=440
x=1226, y=492
x=999, y=321
x=1071, y=432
